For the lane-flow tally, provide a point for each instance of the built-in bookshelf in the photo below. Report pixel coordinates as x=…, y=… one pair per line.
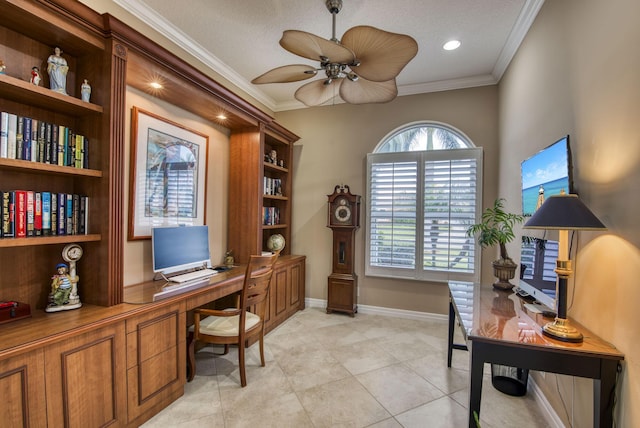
x=61, y=150
x=263, y=154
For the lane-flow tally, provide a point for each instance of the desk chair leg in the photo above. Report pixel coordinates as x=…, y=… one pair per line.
x=262, y=348
x=243, y=376
x=191, y=358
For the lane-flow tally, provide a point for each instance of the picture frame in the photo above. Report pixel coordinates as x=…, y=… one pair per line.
x=168, y=174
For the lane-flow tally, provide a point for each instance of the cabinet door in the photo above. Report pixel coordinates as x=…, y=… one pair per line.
x=21, y=386
x=85, y=379
x=156, y=361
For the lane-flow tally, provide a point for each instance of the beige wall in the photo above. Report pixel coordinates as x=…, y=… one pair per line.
x=137, y=254
x=577, y=73
x=333, y=147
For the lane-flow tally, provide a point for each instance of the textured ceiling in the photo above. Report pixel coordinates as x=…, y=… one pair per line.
x=239, y=38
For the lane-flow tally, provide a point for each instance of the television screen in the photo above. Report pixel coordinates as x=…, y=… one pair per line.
x=548, y=172
x=537, y=269
x=180, y=248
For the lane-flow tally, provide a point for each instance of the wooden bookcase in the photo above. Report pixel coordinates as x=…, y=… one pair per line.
x=250, y=195
x=29, y=32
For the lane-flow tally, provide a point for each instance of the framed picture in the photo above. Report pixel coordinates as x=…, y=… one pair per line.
x=168, y=174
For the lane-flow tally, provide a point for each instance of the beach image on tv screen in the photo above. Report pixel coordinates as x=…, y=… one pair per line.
x=545, y=174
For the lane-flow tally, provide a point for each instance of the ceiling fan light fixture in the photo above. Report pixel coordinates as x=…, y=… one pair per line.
x=378, y=55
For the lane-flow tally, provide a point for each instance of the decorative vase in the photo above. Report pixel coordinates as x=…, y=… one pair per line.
x=504, y=270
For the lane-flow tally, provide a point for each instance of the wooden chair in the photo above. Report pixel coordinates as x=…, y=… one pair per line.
x=236, y=325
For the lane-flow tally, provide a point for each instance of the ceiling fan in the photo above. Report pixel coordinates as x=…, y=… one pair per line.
x=361, y=68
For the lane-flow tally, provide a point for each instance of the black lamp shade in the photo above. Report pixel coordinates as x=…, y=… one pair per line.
x=564, y=212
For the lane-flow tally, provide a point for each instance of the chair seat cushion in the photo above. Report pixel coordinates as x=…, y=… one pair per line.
x=226, y=326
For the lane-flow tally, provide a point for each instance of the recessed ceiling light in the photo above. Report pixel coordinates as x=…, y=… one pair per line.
x=222, y=116
x=451, y=45
x=155, y=85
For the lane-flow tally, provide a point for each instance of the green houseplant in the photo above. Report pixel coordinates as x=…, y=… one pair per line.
x=496, y=228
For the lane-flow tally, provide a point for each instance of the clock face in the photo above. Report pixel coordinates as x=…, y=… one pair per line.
x=342, y=211
x=72, y=252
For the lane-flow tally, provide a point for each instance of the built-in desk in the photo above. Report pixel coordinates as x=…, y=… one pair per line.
x=122, y=364
x=498, y=329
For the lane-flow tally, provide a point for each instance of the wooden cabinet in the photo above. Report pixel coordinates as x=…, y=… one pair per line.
x=29, y=32
x=21, y=386
x=260, y=190
x=85, y=379
x=286, y=292
x=156, y=361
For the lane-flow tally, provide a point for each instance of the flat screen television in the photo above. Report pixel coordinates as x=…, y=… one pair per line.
x=537, y=269
x=548, y=172
x=180, y=248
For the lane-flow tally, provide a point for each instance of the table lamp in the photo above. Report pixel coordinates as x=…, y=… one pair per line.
x=563, y=213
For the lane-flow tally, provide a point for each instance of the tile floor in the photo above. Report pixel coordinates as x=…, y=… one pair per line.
x=336, y=371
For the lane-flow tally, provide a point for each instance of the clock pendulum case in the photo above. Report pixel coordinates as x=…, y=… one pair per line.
x=344, y=220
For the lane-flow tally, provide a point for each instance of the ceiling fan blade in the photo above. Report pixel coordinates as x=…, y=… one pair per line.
x=364, y=91
x=382, y=54
x=286, y=73
x=310, y=46
x=316, y=92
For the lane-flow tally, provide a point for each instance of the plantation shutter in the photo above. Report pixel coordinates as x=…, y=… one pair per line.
x=393, y=213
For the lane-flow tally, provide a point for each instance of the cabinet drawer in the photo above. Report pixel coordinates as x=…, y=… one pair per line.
x=154, y=333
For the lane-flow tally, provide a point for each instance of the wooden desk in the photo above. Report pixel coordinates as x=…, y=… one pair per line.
x=499, y=329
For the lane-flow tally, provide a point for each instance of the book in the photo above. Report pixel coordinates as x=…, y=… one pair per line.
x=54, y=213
x=42, y=132
x=34, y=140
x=19, y=146
x=79, y=162
x=4, y=131
x=85, y=153
x=30, y=213
x=20, y=213
x=69, y=214
x=62, y=209
x=54, y=144
x=75, y=214
x=62, y=144
x=26, y=138
x=83, y=229
x=12, y=129
x=37, y=214
x=47, y=143
x=46, y=213
x=8, y=214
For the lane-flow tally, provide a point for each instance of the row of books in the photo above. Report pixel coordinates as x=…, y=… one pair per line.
x=270, y=216
x=272, y=186
x=35, y=140
x=26, y=213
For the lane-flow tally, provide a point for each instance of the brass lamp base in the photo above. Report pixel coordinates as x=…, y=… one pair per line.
x=560, y=329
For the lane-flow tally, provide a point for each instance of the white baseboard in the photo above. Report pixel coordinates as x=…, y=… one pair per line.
x=379, y=310
x=550, y=415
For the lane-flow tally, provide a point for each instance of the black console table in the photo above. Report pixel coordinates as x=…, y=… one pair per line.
x=498, y=328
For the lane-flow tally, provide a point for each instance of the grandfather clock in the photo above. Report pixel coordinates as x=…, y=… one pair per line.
x=344, y=220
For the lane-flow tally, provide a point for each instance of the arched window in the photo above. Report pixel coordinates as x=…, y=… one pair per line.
x=424, y=183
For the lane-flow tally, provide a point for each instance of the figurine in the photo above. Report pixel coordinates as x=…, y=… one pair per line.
x=228, y=259
x=61, y=286
x=273, y=156
x=57, y=68
x=35, y=76
x=64, y=284
x=2, y=67
x=85, y=91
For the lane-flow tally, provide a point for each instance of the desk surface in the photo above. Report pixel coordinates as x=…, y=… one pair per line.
x=487, y=314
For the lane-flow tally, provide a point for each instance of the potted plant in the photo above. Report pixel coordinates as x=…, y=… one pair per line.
x=496, y=228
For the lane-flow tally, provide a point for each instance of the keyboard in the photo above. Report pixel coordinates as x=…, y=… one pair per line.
x=191, y=276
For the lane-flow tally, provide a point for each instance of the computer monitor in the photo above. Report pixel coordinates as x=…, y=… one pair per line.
x=180, y=248
x=537, y=269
